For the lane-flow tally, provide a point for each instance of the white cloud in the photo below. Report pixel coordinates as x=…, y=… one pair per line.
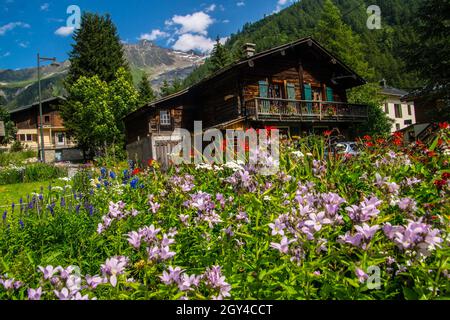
x=6, y=54
x=280, y=5
x=226, y=21
x=188, y=41
x=197, y=22
x=211, y=8
x=12, y=25
x=23, y=44
x=45, y=6
x=64, y=31
x=152, y=36
x=240, y=4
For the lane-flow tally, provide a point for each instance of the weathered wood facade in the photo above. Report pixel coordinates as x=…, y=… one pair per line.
x=300, y=87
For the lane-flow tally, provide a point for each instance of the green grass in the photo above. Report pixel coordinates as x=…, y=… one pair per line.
x=13, y=192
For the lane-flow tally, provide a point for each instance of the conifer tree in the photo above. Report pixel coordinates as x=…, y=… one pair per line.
x=97, y=50
x=146, y=93
x=220, y=57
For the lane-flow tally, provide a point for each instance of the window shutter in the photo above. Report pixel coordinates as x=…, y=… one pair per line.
x=308, y=92
x=308, y=96
x=263, y=89
x=330, y=96
x=264, y=93
x=290, y=88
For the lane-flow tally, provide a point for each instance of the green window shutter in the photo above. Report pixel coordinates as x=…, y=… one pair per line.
x=330, y=96
x=263, y=89
x=308, y=92
x=308, y=96
x=264, y=93
x=290, y=88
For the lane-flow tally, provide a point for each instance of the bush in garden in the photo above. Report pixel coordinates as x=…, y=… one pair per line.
x=373, y=226
x=30, y=173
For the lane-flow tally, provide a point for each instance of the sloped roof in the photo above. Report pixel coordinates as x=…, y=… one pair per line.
x=357, y=80
x=36, y=104
x=390, y=91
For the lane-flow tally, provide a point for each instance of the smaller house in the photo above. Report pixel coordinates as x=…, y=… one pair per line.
x=429, y=107
x=401, y=112
x=57, y=146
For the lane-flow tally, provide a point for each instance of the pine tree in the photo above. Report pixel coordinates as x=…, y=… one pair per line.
x=146, y=93
x=429, y=55
x=97, y=50
x=165, y=89
x=220, y=57
x=336, y=36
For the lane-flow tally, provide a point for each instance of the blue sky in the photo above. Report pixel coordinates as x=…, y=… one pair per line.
x=31, y=26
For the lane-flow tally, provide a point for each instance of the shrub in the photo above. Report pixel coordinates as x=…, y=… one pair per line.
x=30, y=173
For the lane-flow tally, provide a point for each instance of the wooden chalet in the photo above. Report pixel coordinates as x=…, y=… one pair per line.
x=299, y=88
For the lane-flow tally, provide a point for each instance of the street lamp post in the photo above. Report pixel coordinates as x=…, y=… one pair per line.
x=41, y=123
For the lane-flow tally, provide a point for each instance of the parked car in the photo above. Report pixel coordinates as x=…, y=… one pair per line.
x=344, y=148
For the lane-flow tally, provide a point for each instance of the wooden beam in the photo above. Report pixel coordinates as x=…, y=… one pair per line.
x=300, y=78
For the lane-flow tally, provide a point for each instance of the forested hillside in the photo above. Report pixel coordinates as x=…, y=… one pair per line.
x=383, y=49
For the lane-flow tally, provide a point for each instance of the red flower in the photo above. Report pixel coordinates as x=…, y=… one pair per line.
x=367, y=138
x=440, y=183
x=150, y=162
x=446, y=175
x=444, y=125
x=327, y=133
x=136, y=171
x=398, y=135
x=398, y=142
x=431, y=154
x=380, y=141
x=369, y=144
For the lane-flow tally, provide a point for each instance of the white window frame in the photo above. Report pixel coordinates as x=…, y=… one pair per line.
x=164, y=118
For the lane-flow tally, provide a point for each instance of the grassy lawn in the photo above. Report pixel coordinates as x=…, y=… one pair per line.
x=13, y=192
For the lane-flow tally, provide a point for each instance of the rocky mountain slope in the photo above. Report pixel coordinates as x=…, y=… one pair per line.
x=19, y=87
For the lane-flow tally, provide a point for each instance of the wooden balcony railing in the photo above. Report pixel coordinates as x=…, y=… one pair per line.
x=304, y=110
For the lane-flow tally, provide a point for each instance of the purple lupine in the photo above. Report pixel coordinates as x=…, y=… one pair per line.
x=34, y=294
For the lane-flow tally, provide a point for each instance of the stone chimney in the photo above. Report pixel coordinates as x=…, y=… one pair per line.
x=249, y=50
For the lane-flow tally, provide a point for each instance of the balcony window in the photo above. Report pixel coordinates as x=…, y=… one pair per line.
x=46, y=119
x=386, y=108
x=164, y=118
x=409, y=110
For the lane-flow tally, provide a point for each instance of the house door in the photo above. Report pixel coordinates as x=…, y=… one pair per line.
x=163, y=147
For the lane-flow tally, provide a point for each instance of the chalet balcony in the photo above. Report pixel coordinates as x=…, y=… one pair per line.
x=269, y=109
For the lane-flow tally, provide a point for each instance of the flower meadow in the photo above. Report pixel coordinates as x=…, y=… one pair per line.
x=372, y=226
